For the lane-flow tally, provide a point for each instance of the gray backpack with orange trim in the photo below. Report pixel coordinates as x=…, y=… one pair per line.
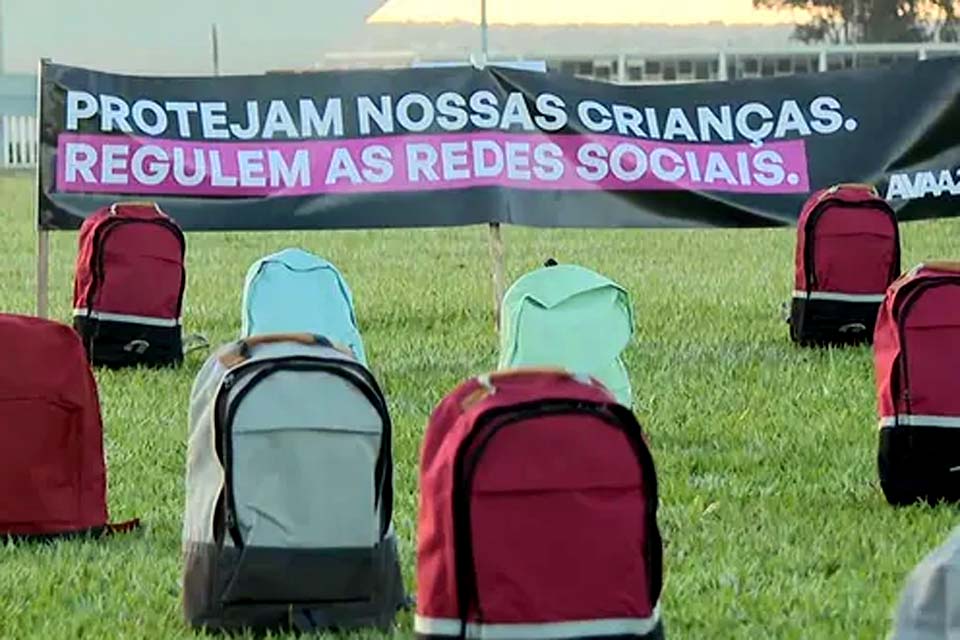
x=289, y=491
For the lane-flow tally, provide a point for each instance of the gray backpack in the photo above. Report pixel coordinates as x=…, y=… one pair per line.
x=929, y=607
x=289, y=491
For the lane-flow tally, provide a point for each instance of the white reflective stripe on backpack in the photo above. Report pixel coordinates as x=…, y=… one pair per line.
x=910, y=420
x=124, y=317
x=839, y=297
x=613, y=627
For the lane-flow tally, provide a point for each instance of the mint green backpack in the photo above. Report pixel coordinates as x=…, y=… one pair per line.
x=571, y=317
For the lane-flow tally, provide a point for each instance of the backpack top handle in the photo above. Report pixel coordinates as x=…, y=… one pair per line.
x=859, y=186
x=134, y=203
x=945, y=266
x=241, y=354
x=488, y=381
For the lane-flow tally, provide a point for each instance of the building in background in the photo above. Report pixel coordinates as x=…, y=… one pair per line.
x=643, y=54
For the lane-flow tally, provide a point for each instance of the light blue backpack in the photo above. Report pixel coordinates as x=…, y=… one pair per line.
x=293, y=291
x=571, y=317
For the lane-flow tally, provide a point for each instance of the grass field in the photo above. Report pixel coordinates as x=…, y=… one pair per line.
x=771, y=513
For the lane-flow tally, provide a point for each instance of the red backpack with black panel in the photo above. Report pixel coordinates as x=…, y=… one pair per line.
x=52, y=467
x=538, y=514
x=847, y=254
x=917, y=362
x=128, y=287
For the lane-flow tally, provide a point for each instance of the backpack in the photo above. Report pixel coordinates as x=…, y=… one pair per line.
x=916, y=354
x=52, y=466
x=289, y=487
x=513, y=543
x=129, y=285
x=570, y=317
x=293, y=291
x=847, y=254
x=929, y=607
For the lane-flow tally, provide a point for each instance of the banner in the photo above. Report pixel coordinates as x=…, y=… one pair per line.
x=460, y=145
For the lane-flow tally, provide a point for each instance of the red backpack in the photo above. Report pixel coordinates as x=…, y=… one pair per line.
x=538, y=514
x=128, y=289
x=52, y=462
x=917, y=362
x=847, y=254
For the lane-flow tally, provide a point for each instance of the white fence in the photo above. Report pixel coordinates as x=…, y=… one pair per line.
x=19, y=137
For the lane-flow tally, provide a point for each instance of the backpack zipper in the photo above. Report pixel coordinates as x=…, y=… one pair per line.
x=910, y=298
x=225, y=410
x=98, y=267
x=471, y=450
x=810, y=267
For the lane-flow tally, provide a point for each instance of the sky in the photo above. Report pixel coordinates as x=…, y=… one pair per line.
x=578, y=11
x=173, y=36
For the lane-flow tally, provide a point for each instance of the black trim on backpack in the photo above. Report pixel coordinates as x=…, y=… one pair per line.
x=911, y=295
x=919, y=464
x=467, y=459
x=817, y=322
x=237, y=590
x=115, y=344
x=97, y=254
x=809, y=231
x=224, y=411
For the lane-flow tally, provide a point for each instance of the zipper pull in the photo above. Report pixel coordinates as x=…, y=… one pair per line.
x=227, y=381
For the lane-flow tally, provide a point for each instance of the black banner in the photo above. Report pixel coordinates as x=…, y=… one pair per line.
x=459, y=145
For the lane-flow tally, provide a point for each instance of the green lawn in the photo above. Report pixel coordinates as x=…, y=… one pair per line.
x=771, y=513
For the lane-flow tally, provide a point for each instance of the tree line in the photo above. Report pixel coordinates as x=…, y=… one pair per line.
x=855, y=21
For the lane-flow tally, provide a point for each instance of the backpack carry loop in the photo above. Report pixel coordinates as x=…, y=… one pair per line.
x=488, y=381
x=135, y=203
x=859, y=186
x=947, y=266
x=232, y=358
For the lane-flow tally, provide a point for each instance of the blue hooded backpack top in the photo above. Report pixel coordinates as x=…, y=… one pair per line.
x=294, y=291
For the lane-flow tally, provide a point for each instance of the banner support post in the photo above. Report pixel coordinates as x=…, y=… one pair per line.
x=496, y=255
x=496, y=240
x=43, y=235
x=43, y=271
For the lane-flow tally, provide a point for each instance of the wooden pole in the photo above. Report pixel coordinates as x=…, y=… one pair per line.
x=43, y=235
x=215, y=48
x=496, y=255
x=43, y=271
x=496, y=241
x=483, y=30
